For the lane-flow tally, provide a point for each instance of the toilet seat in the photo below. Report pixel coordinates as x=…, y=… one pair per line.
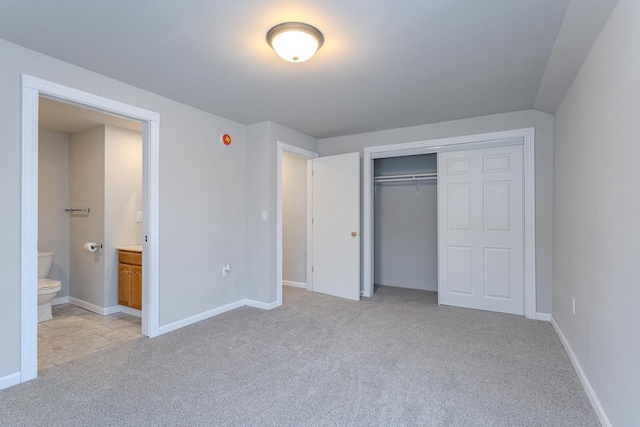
x=48, y=284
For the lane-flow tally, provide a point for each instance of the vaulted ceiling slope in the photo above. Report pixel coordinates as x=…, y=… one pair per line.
x=385, y=64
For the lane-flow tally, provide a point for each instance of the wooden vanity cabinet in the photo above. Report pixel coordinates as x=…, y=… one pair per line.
x=130, y=279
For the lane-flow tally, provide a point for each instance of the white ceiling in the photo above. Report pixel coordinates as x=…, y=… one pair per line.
x=68, y=118
x=385, y=64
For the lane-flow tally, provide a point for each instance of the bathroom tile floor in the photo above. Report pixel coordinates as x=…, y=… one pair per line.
x=75, y=332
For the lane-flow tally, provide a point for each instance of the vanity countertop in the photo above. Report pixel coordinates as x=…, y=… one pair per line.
x=131, y=248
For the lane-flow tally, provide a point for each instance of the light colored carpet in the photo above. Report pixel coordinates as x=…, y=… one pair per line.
x=395, y=359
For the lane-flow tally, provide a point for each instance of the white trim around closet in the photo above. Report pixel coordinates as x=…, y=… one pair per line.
x=525, y=136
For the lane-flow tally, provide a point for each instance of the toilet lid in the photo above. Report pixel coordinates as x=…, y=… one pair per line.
x=48, y=284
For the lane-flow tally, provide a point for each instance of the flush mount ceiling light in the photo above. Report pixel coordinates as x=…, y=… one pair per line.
x=295, y=41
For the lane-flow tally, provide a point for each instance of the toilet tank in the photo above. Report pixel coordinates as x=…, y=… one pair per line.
x=45, y=261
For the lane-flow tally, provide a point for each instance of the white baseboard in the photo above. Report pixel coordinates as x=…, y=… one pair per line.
x=131, y=311
x=294, y=284
x=207, y=314
x=61, y=300
x=94, y=308
x=199, y=317
x=591, y=394
x=111, y=310
x=262, y=305
x=9, y=380
x=543, y=316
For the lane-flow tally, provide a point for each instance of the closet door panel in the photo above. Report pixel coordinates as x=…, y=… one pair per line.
x=459, y=270
x=486, y=218
x=459, y=209
x=497, y=206
x=497, y=273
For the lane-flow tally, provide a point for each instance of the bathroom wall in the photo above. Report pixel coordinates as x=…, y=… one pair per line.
x=106, y=176
x=53, y=199
x=294, y=218
x=123, y=197
x=406, y=225
x=87, y=190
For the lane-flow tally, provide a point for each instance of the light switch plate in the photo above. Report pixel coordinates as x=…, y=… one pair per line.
x=138, y=216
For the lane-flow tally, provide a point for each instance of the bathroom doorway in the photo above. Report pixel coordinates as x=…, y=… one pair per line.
x=89, y=207
x=33, y=90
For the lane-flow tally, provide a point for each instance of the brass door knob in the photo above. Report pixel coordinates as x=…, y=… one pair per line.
x=354, y=233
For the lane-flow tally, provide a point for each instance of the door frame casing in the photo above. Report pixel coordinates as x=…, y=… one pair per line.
x=525, y=136
x=309, y=155
x=32, y=89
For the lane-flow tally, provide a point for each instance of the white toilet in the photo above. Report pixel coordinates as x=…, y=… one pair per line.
x=47, y=288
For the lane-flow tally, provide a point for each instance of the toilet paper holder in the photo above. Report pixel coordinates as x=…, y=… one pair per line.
x=92, y=246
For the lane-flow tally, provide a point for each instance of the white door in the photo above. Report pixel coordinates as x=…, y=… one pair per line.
x=480, y=229
x=336, y=225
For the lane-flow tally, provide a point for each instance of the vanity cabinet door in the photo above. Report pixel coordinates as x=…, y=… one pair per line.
x=136, y=287
x=124, y=284
x=130, y=279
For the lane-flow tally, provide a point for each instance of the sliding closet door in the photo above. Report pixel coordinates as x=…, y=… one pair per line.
x=480, y=229
x=336, y=225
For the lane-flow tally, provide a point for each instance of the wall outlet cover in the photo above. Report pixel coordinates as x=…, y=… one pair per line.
x=138, y=216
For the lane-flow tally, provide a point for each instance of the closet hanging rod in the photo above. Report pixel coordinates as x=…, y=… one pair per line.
x=417, y=175
x=428, y=178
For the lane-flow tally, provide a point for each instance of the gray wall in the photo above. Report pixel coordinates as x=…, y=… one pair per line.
x=543, y=124
x=596, y=208
x=123, y=197
x=294, y=218
x=53, y=199
x=258, y=190
x=87, y=190
x=406, y=225
x=262, y=139
x=202, y=196
x=102, y=170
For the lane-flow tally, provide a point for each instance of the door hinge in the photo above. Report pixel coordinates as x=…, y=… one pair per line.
x=313, y=221
x=312, y=269
x=145, y=238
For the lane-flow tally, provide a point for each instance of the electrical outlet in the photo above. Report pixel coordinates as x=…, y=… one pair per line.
x=138, y=216
x=264, y=215
x=225, y=270
x=573, y=305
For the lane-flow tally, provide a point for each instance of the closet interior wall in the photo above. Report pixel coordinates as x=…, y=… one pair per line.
x=405, y=224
